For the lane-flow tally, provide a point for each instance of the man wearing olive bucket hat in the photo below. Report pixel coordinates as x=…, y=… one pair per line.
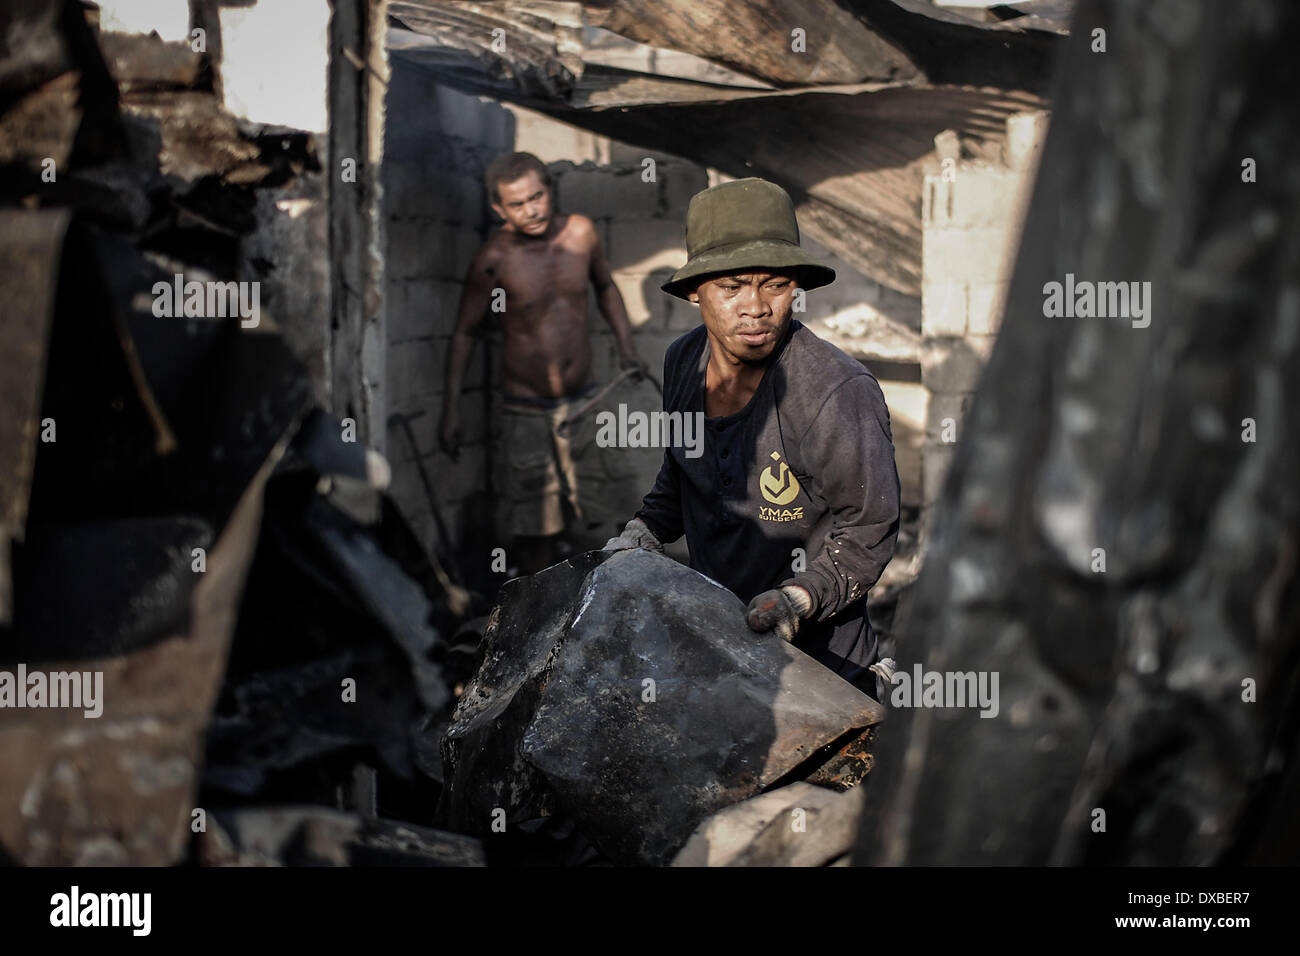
x=793, y=504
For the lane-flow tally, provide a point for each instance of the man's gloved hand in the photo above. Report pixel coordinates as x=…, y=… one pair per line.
x=780, y=610
x=635, y=535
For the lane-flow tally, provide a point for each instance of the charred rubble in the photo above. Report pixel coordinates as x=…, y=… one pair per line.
x=178, y=512
x=280, y=653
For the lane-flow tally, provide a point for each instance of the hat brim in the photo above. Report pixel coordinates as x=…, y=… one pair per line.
x=759, y=254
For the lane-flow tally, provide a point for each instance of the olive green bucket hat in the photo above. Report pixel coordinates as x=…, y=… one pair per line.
x=744, y=224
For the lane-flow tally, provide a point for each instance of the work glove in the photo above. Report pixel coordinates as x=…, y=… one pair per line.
x=635, y=535
x=780, y=610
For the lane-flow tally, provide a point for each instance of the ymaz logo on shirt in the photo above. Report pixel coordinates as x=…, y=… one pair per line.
x=778, y=486
x=780, y=514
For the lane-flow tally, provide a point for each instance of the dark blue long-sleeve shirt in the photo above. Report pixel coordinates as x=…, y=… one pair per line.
x=798, y=487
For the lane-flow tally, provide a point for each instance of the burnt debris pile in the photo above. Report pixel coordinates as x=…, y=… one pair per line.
x=625, y=695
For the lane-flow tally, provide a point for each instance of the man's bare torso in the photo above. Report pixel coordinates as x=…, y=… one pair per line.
x=547, y=346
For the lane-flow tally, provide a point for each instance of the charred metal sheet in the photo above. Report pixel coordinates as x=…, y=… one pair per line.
x=645, y=704
x=273, y=720
x=116, y=371
x=315, y=836
x=31, y=251
x=544, y=41
x=755, y=38
x=480, y=751
x=552, y=53
x=327, y=604
x=857, y=121
x=119, y=789
x=854, y=163
x=731, y=711
x=394, y=600
x=132, y=578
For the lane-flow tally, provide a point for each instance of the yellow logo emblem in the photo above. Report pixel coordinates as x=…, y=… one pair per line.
x=778, y=486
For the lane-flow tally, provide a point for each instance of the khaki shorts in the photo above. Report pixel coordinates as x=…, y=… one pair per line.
x=546, y=478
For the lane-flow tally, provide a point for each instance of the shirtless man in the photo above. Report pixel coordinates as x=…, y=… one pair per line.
x=542, y=262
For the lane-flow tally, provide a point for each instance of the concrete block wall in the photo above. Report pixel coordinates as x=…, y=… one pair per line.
x=437, y=145
x=972, y=214
x=637, y=199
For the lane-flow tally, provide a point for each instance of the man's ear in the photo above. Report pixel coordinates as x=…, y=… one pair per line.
x=501, y=213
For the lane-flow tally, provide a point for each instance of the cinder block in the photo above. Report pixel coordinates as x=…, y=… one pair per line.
x=1026, y=133
x=645, y=245
x=943, y=307
x=986, y=196
x=976, y=254
x=678, y=182
x=465, y=116
x=420, y=308
x=907, y=402
x=424, y=429
x=426, y=248
x=985, y=306
x=950, y=365
x=403, y=181
x=415, y=372
x=647, y=305
x=453, y=197
x=411, y=500
x=604, y=358
x=653, y=345
x=982, y=345
x=625, y=154
x=551, y=140
x=944, y=406
x=457, y=480
x=605, y=193
x=630, y=195
x=406, y=237
x=936, y=201
x=935, y=462
x=472, y=410
x=907, y=458
x=449, y=251
x=418, y=189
